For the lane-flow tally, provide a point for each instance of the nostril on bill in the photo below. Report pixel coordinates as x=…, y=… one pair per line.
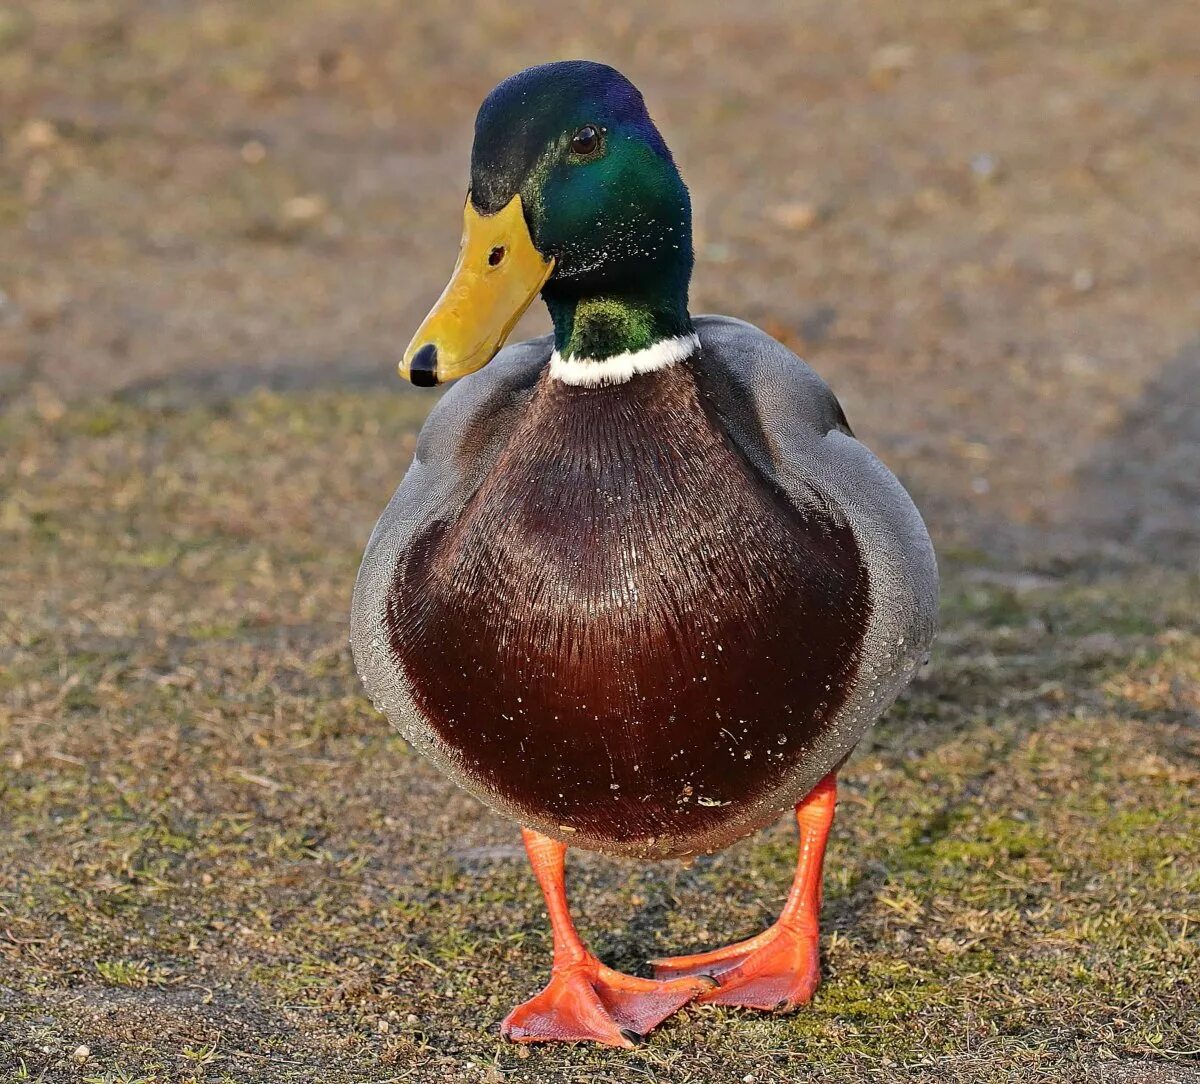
x=495, y=256
x=423, y=370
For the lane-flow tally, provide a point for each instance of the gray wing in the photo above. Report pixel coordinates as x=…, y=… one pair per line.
x=788, y=423
x=457, y=445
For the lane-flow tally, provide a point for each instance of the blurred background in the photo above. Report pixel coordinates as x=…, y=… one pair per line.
x=220, y=223
x=980, y=226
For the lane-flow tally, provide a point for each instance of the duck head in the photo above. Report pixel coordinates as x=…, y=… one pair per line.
x=573, y=194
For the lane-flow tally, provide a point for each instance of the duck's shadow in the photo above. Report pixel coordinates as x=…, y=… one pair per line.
x=1138, y=494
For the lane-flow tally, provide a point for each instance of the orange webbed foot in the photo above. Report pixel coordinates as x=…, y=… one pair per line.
x=714, y=963
x=588, y=1002
x=779, y=970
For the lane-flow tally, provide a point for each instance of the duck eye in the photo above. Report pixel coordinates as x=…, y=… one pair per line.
x=586, y=140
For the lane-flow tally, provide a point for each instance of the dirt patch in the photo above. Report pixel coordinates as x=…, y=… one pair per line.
x=975, y=223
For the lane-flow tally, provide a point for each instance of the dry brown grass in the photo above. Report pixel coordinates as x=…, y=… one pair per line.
x=221, y=865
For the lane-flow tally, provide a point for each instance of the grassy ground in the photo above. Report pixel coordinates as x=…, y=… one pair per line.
x=220, y=865
x=219, y=223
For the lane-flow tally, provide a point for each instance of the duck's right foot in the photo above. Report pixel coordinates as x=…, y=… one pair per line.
x=588, y=1002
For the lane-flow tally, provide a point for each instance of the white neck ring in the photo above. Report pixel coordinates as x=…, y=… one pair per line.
x=595, y=372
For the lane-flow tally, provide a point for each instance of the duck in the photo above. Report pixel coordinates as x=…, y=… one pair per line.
x=641, y=590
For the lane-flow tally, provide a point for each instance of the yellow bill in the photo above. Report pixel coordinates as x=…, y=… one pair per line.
x=498, y=274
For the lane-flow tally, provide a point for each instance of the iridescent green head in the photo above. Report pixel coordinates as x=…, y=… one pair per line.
x=607, y=219
x=601, y=194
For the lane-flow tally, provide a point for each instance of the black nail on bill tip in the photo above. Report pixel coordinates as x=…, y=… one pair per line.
x=423, y=370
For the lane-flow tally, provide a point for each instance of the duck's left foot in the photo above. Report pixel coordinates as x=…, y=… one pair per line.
x=591, y=1002
x=779, y=970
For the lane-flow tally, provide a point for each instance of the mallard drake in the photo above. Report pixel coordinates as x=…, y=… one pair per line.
x=641, y=589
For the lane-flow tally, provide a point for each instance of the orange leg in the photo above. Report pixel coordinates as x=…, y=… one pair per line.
x=585, y=1000
x=780, y=968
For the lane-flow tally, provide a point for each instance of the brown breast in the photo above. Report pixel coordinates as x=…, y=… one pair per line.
x=628, y=632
